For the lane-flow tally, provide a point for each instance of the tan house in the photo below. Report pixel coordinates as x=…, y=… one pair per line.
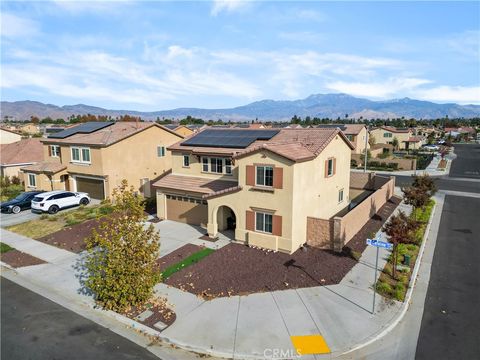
x=180, y=129
x=406, y=139
x=356, y=133
x=16, y=155
x=8, y=136
x=95, y=157
x=259, y=185
x=30, y=129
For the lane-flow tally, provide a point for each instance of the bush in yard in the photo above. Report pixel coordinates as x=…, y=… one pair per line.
x=121, y=260
x=426, y=183
x=415, y=196
x=400, y=230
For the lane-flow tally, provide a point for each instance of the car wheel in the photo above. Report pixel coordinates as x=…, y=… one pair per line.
x=53, y=209
x=84, y=201
x=16, y=209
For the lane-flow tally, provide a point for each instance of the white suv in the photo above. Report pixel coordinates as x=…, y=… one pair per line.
x=53, y=201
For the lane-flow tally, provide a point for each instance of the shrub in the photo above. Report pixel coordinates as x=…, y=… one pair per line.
x=383, y=287
x=353, y=163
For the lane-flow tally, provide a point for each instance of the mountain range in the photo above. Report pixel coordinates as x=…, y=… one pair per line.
x=318, y=105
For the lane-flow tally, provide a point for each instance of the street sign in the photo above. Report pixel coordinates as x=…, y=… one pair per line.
x=378, y=243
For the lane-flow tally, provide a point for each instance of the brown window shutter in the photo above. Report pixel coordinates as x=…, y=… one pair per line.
x=326, y=168
x=49, y=150
x=277, y=225
x=250, y=175
x=250, y=220
x=278, y=178
x=334, y=166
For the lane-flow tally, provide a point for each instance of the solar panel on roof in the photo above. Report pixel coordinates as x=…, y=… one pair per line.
x=229, y=138
x=85, y=128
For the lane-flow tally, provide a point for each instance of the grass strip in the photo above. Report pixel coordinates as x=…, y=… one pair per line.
x=5, y=248
x=192, y=259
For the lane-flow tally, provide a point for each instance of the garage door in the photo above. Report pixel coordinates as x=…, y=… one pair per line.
x=92, y=186
x=187, y=210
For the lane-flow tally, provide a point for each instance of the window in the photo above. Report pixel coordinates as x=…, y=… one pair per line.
x=263, y=222
x=205, y=164
x=32, y=180
x=264, y=175
x=330, y=167
x=186, y=160
x=340, y=196
x=81, y=155
x=387, y=135
x=216, y=165
x=160, y=151
x=228, y=166
x=55, y=150
x=349, y=137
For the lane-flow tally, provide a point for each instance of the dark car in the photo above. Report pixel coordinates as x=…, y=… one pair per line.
x=21, y=202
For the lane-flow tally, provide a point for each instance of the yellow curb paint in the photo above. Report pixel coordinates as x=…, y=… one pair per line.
x=310, y=344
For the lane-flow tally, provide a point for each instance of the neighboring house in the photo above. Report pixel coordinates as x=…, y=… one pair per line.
x=30, y=129
x=465, y=131
x=406, y=140
x=96, y=156
x=19, y=154
x=8, y=136
x=260, y=184
x=355, y=133
x=180, y=129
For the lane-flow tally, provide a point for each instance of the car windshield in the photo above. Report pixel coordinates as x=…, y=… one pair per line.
x=22, y=196
x=37, y=199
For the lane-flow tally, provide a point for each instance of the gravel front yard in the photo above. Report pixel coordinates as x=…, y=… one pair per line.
x=17, y=259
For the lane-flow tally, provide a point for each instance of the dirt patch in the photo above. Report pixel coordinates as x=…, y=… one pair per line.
x=17, y=259
x=358, y=242
x=238, y=269
x=73, y=238
x=208, y=238
x=178, y=255
x=161, y=312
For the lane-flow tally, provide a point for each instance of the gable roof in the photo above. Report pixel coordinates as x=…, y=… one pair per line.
x=393, y=129
x=45, y=167
x=22, y=152
x=11, y=131
x=109, y=135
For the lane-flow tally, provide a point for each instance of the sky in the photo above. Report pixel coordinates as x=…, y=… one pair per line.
x=156, y=55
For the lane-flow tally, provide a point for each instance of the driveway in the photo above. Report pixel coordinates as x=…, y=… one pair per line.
x=174, y=235
x=13, y=219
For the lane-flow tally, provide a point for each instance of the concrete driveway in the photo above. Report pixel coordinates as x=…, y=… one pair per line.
x=13, y=219
x=174, y=235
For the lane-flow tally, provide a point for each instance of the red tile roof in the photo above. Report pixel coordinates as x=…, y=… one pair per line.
x=24, y=151
x=45, y=167
x=194, y=184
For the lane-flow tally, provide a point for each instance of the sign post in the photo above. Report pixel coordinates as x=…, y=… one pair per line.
x=378, y=244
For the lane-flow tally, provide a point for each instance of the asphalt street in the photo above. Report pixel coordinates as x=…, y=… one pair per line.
x=34, y=327
x=467, y=163
x=449, y=328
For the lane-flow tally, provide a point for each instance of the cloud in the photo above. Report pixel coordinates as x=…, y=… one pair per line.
x=302, y=36
x=310, y=15
x=90, y=6
x=444, y=93
x=14, y=26
x=380, y=89
x=466, y=43
x=228, y=6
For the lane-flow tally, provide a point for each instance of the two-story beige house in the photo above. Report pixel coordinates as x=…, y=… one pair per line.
x=406, y=139
x=95, y=157
x=357, y=134
x=262, y=184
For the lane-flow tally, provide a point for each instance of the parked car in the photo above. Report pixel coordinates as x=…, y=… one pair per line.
x=21, y=202
x=431, y=147
x=53, y=201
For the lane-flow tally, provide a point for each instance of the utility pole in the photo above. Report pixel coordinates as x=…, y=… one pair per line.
x=366, y=143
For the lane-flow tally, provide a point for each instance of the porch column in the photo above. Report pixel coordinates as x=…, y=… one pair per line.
x=212, y=226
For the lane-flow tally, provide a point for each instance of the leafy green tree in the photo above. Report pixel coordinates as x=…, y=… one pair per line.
x=415, y=196
x=121, y=262
x=395, y=143
x=400, y=230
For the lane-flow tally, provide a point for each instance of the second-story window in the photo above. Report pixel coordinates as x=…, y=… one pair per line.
x=160, y=151
x=330, y=167
x=205, y=164
x=216, y=165
x=80, y=155
x=264, y=176
x=55, y=150
x=186, y=160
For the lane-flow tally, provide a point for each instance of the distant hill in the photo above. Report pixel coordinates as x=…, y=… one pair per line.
x=319, y=105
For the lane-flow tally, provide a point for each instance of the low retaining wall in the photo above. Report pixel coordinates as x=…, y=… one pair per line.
x=334, y=233
x=403, y=164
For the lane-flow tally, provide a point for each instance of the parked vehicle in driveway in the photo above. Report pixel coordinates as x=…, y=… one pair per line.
x=431, y=147
x=21, y=202
x=53, y=201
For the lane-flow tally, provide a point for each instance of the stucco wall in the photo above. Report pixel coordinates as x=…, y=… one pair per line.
x=320, y=233
x=314, y=194
x=359, y=142
x=7, y=137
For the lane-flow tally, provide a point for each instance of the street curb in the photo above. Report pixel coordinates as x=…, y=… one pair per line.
x=408, y=296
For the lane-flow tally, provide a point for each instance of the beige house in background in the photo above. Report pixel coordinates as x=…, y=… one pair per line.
x=258, y=185
x=96, y=161
x=405, y=137
x=180, y=129
x=358, y=136
x=8, y=136
x=16, y=155
x=30, y=129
